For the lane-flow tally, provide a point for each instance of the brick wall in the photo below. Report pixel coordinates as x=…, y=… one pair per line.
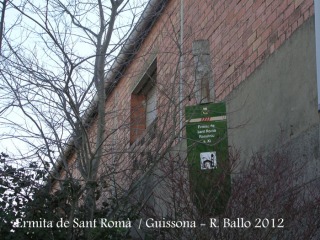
x=242, y=34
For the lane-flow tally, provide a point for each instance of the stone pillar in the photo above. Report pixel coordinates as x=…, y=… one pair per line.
x=204, y=85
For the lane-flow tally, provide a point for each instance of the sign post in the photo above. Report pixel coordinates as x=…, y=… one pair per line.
x=207, y=141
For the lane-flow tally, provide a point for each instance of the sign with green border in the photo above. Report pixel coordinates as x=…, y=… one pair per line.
x=207, y=141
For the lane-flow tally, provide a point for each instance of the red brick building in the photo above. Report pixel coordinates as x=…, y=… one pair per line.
x=258, y=56
x=240, y=35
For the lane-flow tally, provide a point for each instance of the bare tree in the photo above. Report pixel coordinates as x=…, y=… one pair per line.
x=3, y=11
x=269, y=200
x=56, y=58
x=54, y=61
x=50, y=82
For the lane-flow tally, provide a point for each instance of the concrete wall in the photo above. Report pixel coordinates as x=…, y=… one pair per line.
x=277, y=105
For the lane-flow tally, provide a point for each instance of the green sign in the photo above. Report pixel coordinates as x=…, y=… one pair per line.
x=207, y=140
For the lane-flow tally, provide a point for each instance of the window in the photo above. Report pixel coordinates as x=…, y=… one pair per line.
x=151, y=108
x=143, y=103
